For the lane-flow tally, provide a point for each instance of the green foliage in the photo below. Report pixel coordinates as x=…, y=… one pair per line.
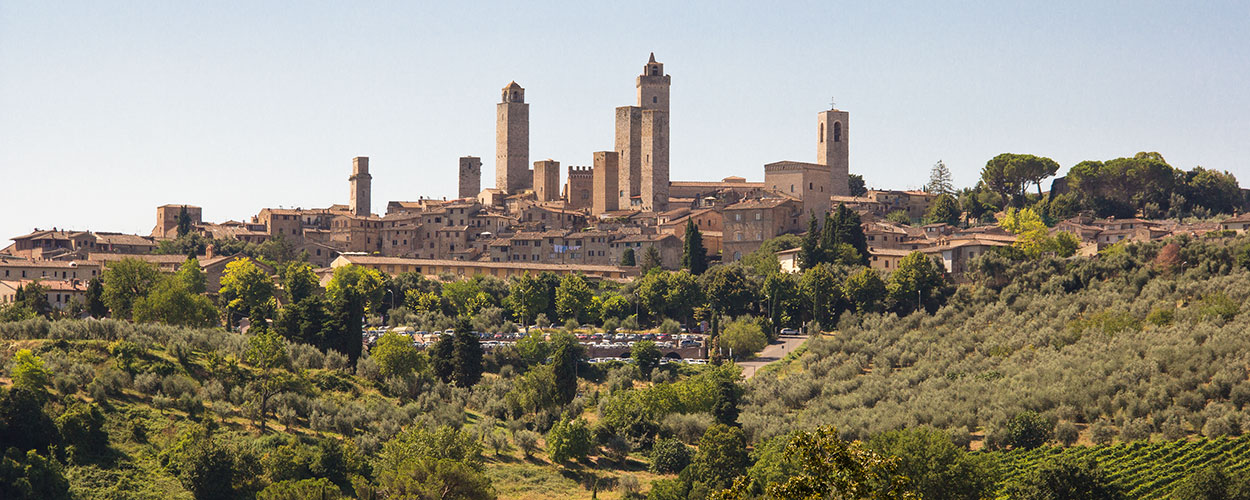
x=302, y=489
x=916, y=282
x=1211, y=483
x=744, y=337
x=940, y=180
x=898, y=217
x=651, y=259
x=945, y=210
x=694, y=255
x=419, y=442
x=29, y=373
x=31, y=476
x=177, y=300
x=646, y=357
x=669, y=456
x=353, y=291
x=627, y=257
x=526, y=298
x=299, y=281
x=204, y=465
x=568, y=440
x=396, y=355
x=722, y=456
x=1067, y=479
x=1028, y=430
x=573, y=299
x=1010, y=174
x=23, y=424
x=856, y=184
x=125, y=282
x=936, y=468
x=865, y=291
x=247, y=290
x=82, y=428
x=825, y=466
x=433, y=478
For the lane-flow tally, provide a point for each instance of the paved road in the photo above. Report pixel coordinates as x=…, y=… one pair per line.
x=773, y=352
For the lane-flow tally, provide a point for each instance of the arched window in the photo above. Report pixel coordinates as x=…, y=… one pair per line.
x=837, y=131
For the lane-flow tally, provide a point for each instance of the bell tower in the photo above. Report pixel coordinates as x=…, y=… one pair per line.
x=832, y=148
x=653, y=86
x=512, y=141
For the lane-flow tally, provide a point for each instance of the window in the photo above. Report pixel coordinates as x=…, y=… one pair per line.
x=758, y=216
x=655, y=100
x=792, y=188
x=737, y=237
x=821, y=138
x=837, y=131
x=811, y=185
x=737, y=217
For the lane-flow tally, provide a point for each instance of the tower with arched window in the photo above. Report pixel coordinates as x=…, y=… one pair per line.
x=832, y=149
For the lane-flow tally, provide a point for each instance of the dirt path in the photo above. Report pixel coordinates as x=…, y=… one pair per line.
x=775, y=351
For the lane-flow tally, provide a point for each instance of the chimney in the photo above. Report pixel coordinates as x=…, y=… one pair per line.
x=209, y=251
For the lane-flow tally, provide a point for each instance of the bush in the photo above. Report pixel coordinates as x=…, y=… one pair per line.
x=1027, y=430
x=744, y=337
x=688, y=427
x=1067, y=478
x=670, y=326
x=82, y=428
x=526, y=441
x=568, y=440
x=669, y=456
x=1067, y=433
x=148, y=383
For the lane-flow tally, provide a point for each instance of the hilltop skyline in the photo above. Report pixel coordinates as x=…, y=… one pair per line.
x=111, y=112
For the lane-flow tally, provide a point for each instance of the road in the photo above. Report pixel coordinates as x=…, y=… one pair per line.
x=775, y=351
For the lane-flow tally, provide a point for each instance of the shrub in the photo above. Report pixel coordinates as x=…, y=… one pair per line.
x=1101, y=432
x=148, y=383
x=670, y=326
x=526, y=440
x=1067, y=433
x=1027, y=430
x=568, y=440
x=669, y=456
x=688, y=427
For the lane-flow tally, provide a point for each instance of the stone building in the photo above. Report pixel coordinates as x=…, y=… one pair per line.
x=547, y=180
x=808, y=182
x=606, y=178
x=512, y=141
x=361, y=190
x=642, y=143
x=832, y=149
x=748, y=223
x=470, y=177
x=167, y=219
x=577, y=188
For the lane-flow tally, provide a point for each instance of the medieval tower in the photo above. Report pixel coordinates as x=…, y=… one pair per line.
x=642, y=138
x=832, y=150
x=512, y=141
x=361, y=189
x=470, y=177
x=606, y=178
x=547, y=180
x=577, y=188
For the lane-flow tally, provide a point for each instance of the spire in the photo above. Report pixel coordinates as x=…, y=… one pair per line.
x=652, y=57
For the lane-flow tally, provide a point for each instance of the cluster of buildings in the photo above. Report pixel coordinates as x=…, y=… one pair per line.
x=531, y=221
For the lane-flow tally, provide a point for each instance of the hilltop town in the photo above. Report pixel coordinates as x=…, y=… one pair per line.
x=600, y=221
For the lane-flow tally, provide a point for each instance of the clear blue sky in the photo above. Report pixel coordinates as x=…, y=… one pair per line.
x=108, y=109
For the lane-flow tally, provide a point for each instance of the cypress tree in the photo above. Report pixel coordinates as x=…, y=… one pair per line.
x=809, y=252
x=694, y=255
x=627, y=257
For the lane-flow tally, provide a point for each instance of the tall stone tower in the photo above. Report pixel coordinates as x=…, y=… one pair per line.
x=578, y=188
x=361, y=189
x=512, y=141
x=547, y=180
x=470, y=177
x=642, y=134
x=606, y=178
x=832, y=139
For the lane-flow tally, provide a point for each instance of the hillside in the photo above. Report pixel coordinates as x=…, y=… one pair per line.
x=1141, y=341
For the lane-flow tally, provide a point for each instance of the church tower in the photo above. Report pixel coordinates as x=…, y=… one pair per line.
x=642, y=134
x=832, y=149
x=361, y=188
x=512, y=141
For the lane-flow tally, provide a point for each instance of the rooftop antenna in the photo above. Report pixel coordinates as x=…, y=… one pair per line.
x=832, y=103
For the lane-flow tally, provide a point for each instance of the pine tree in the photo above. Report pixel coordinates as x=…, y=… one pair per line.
x=694, y=255
x=828, y=237
x=850, y=231
x=940, y=179
x=809, y=252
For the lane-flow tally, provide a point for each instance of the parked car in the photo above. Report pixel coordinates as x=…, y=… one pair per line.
x=789, y=331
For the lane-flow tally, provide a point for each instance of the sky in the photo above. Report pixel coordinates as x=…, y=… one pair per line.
x=109, y=109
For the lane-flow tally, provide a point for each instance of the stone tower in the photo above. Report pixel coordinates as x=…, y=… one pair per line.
x=547, y=180
x=512, y=141
x=470, y=176
x=578, y=187
x=606, y=197
x=361, y=189
x=832, y=138
x=642, y=133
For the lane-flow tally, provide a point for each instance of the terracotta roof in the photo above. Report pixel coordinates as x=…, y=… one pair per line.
x=124, y=239
x=758, y=203
x=534, y=266
x=1239, y=218
x=52, y=285
x=16, y=262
